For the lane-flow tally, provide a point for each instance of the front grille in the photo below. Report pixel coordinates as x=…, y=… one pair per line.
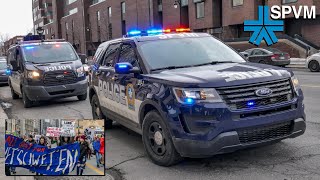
x=50, y=78
x=237, y=97
x=265, y=133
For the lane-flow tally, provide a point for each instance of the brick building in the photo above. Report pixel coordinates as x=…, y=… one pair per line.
x=87, y=23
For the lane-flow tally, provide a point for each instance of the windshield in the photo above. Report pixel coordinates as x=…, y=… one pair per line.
x=46, y=53
x=3, y=65
x=187, y=52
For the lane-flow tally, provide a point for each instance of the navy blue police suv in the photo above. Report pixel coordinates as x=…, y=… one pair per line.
x=190, y=95
x=45, y=70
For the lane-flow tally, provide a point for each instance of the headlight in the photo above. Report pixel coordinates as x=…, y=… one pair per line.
x=33, y=74
x=295, y=83
x=192, y=96
x=80, y=71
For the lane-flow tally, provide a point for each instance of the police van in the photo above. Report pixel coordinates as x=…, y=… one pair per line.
x=45, y=70
x=190, y=95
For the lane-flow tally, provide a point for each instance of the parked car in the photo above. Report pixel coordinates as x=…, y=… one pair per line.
x=268, y=55
x=313, y=62
x=3, y=72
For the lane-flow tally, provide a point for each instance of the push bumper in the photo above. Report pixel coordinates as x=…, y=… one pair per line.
x=43, y=93
x=229, y=142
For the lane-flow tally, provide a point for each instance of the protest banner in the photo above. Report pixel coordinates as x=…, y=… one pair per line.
x=57, y=161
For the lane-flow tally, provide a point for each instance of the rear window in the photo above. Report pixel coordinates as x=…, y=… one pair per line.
x=273, y=50
x=49, y=53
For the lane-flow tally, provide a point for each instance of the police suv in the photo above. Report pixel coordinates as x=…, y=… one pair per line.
x=190, y=95
x=45, y=70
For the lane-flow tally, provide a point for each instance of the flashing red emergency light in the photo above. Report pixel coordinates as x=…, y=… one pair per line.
x=183, y=30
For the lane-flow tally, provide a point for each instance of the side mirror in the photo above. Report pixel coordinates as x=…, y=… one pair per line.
x=83, y=58
x=14, y=65
x=126, y=68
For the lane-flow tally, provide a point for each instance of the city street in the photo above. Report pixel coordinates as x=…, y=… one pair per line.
x=91, y=169
x=297, y=158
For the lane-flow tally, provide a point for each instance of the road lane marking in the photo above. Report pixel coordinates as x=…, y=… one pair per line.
x=310, y=85
x=95, y=169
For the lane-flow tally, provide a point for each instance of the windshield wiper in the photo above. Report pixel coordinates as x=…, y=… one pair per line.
x=213, y=62
x=170, y=67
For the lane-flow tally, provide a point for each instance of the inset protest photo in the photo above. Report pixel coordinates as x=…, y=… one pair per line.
x=56, y=147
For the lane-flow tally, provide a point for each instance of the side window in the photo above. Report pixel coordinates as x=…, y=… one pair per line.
x=256, y=52
x=111, y=55
x=127, y=54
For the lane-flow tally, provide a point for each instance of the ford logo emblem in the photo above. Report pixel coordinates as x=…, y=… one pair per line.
x=60, y=77
x=263, y=92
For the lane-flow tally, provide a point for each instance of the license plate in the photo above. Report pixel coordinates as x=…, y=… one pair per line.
x=281, y=57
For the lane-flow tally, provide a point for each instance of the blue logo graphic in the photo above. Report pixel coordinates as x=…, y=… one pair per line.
x=263, y=28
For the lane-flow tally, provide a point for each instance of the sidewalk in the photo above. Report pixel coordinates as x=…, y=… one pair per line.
x=297, y=63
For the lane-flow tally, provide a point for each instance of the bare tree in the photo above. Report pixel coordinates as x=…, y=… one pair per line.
x=3, y=39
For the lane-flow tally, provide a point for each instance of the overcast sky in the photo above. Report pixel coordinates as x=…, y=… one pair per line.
x=15, y=17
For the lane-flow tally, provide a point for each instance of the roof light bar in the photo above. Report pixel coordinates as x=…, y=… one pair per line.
x=155, y=32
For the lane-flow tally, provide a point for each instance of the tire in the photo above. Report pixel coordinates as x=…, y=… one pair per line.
x=83, y=97
x=263, y=62
x=157, y=141
x=314, y=66
x=27, y=103
x=97, y=113
x=14, y=95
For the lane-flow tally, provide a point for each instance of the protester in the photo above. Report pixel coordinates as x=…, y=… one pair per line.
x=64, y=141
x=89, y=150
x=54, y=142
x=83, y=155
x=102, y=149
x=96, y=148
x=42, y=142
x=31, y=141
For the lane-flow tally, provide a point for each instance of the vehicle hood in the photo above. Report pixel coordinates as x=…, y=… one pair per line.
x=58, y=66
x=219, y=75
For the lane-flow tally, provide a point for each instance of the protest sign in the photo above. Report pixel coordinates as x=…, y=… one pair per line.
x=67, y=129
x=53, y=132
x=57, y=161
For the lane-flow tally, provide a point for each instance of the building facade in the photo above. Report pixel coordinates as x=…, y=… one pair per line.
x=87, y=23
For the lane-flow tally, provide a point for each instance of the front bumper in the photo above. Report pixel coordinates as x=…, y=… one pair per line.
x=43, y=93
x=229, y=142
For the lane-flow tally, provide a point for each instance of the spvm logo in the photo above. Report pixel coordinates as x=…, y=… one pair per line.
x=265, y=27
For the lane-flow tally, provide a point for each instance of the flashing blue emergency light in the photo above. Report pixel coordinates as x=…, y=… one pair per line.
x=155, y=31
x=8, y=72
x=134, y=33
x=189, y=101
x=29, y=47
x=251, y=103
x=123, y=66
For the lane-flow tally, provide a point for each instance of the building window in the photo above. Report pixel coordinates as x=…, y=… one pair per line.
x=73, y=11
x=237, y=3
x=67, y=27
x=200, y=10
x=71, y=1
x=109, y=14
x=123, y=7
x=98, y=16
x=288, y=1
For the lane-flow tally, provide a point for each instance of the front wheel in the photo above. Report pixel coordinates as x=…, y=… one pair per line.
x=97, y=113
x=82, y=97
x=27, y=103
x=157, y=141
x=314, y=66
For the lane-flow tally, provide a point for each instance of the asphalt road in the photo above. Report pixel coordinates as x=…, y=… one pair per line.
x=297, y=158
x=91, y=169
